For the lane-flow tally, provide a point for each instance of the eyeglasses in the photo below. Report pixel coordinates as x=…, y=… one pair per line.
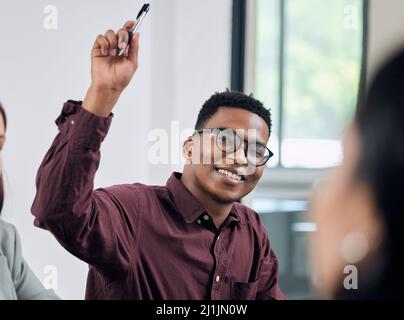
x=229, y=141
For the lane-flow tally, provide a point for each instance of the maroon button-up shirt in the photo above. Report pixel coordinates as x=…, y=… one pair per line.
x=146, y=242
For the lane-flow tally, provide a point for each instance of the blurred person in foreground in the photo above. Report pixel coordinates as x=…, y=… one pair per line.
x=357, y=249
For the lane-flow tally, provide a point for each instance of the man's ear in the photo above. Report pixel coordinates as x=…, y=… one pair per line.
x=187, y=149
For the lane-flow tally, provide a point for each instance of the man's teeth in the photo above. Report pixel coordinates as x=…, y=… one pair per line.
x=230, y=174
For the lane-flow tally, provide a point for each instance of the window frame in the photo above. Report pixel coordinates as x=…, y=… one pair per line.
x=299, y=181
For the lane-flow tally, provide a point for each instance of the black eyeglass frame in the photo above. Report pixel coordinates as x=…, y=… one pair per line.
x=246, y=143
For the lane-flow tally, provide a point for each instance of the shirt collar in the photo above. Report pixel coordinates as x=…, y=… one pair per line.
x=188, y=205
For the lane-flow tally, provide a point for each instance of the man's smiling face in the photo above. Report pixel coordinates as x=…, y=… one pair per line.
x=227, y=177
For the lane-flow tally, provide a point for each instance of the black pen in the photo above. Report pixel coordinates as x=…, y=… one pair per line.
x=142, y=13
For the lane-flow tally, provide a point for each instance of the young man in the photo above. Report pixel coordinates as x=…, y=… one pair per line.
x=189, y=239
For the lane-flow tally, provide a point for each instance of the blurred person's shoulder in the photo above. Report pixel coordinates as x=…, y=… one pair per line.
x=8, y=238
x=7, y=231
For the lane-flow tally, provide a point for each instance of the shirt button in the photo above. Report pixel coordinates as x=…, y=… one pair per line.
x=199, y=221
x=72, y=122
x=206, y=217
x=217, y=278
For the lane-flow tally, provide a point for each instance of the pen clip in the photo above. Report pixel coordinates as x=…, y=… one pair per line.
x=142, y=13
x=144, y=9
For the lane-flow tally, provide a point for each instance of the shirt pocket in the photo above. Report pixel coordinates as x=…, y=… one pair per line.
x=243, y=290
x=7, y=288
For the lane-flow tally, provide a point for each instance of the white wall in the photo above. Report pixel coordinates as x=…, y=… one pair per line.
x=191, y=61
x=185, y=57
x=386, y=31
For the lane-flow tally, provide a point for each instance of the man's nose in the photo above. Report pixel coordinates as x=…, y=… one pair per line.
x=239, y=157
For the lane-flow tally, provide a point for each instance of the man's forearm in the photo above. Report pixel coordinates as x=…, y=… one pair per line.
x=100, y=101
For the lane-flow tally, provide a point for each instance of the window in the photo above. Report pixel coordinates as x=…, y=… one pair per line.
x=306, y=66
x=305, y=60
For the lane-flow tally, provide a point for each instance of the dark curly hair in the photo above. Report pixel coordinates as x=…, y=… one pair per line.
x=232, y=99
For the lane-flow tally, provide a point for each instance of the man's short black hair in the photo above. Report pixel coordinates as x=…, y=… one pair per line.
x=232, y=99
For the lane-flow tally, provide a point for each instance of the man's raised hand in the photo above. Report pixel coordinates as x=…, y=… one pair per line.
x=111, y=73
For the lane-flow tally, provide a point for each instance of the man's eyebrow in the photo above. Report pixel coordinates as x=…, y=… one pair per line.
x=256, y=142
x=259, y=143
x=246, y=140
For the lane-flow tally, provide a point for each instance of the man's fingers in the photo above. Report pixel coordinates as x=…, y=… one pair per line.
x=113, y=42
x=123, y=38
x=101, y=43
x=128, y=26
x=134, y=49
